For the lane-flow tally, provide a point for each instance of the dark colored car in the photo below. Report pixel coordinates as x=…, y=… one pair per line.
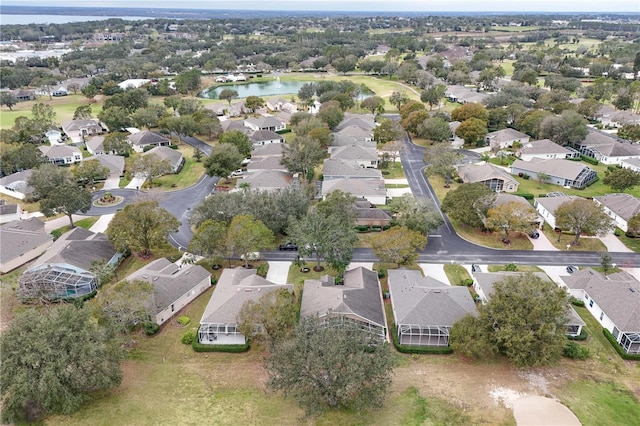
x=288, y=246
x=534, y=234
x=572, y=269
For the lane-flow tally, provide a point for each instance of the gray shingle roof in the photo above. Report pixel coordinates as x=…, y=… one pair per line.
x=355, y=131
x=482, y=172
x=78, y=247
x=552, y=203
x=338, y=168
x=487, y=280
x=147, y=137
x=272, y=149
x=425, y=301
x=365, y=122
x=618, y=295
x=360, y=295
x=115, y=163
x=21, y=236
x=59, y=151
x=506, y=135
x=354, y=152
x=357, y=187
x=268, y=179
x=170, y=282
x=234, y=288
x=555, y=167
x=543, y=146
x=264, y=135
x=173, y=156
x=624, y=205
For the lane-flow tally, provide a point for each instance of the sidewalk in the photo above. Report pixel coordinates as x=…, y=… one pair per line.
x=614, y=244
x=542, y=243
x=102, y=223
x=60, y=222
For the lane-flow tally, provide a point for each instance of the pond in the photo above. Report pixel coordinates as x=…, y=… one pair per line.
x=263, y=88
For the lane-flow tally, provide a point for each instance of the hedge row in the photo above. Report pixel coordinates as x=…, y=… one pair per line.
x=589, y=160
x=199, y=347
x=406, y=349
x=525, y=195
x=618, y=348
x=582, y=336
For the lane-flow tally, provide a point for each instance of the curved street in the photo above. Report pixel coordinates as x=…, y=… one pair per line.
x=444, y=244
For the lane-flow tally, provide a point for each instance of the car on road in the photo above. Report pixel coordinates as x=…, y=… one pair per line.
x=288, y=247
x=571, y=269
x=252, y=255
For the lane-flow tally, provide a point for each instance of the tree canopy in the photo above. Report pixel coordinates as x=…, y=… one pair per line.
x=247, y=234
x=469, y=203
x=224, y=159
x=582, y=216
x=525, y=320
x=622, y=179
x=53, y=361
x=330, y=367
x=511, y=216
x=441, y=160
x=270, y=319
x=398, y=245
x=141, y=226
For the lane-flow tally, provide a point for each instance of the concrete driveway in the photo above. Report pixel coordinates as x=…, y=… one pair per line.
x=136, y=182
x=102, y=223
x=112, y=182
x=435, y=270
x=278, y=272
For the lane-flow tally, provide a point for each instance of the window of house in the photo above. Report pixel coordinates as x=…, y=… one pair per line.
x=173, y=308
x=601, y=315
x=591, y=303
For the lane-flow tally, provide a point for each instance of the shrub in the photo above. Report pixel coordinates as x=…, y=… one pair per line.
x=589, y=160
x=525, y=195
x=511, y=267
x=382, y=272
x=262, y=270
x=147, y=148
x=582, y=336
x=575, y=351
x=618, y=348
x=173, y=146
x=467, y=282
x=617, y=232
x=577, y=302
x=188, y=337
x=183, y=320
x=405, y=349
x=199, y=347
x=150, y=328
x=525, y=176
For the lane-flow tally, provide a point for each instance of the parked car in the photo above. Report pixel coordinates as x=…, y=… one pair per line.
x=237, y=173
x=572, y=269
x=475, y=268
x=253, y=255
x=534, y=234
x=288, y=246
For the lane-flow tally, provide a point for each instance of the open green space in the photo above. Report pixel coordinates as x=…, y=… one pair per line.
x=456, y=274
x=64, y=108
x=631, y=243
x=520, y=268
x=189, y=175
x=85, y=223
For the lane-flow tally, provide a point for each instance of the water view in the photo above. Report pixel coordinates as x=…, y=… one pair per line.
x=263, y=88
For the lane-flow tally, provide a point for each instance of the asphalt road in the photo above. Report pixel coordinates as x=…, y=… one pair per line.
x=444, y=245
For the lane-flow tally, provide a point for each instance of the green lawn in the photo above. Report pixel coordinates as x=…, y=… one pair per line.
x=456, y=274
x=189, y=175
x=64, y=108
x=631, y=243
x=521, y=268
x=85, y=223
x=393, y=171
x=560, y=241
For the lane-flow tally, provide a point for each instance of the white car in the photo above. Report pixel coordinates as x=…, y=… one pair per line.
x=237, y=173
x=253, y=255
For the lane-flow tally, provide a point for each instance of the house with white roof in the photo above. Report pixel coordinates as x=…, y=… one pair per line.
x=16, y=186
x=546, y=206
x=146, y=138
x=632, y=164
x=265, y=123
x=496, y=178
x=620, y=207
x=607, y=149
x=362, y=156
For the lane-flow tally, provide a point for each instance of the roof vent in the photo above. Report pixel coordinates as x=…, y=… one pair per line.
x=633, y=290
x=247, y=290
x=437, y=291
x=187, y=273
x=155, y=278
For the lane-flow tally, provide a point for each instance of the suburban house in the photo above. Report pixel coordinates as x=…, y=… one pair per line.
x=79, y=130
x=337, y=168
x=269, y=150
x=219, y=108
x=146, y=138
x=173, y=286
x=22, y=95
x=133, y=83
x=219, y=324
x=547, y=206
x=620, y=207
x=265, y=123
x=613, y=300
x=115, y=163
x=16, y=186
x=279, y=104
x=505, y=138
x=21, y=241
x=426, y=309
x=365, y=122
x=264, y=137
x=606, y=148
x=363, y=156
x=354, y=133
x=228, y=125
x=632, y=163
x=464, y=95
x=60, y=91
x=267, y=162
x=503, y=198
x=494, y=177
x=567, y=173
x=367, y=214
x=9, y=212
x=61, y=154
x=266, y=180
x=172, y=156
x=544, y=148
x=64, y=270
x=371, y=189
x=483, y=284
x=237, y=109
x=95, y=146
x=356, y=304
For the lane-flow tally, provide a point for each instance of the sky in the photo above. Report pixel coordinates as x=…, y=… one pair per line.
x=363, y=5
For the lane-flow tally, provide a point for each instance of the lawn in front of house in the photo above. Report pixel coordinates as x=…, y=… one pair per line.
x=85, y=223
x=517, y=240
x=393, y=170
x=564, y=239
x=631, y=243
x=456, y=274
x=191, y=172
x=519, y=268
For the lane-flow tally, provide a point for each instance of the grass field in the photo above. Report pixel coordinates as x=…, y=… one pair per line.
x=456, y=274
x=189, y=175
x=64, y=108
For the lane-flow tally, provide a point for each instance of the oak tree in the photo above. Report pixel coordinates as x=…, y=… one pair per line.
x=398, y=245
x=582, y=216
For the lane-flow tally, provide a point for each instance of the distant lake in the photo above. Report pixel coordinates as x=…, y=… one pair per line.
x=7, y=19
x=265, y=88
